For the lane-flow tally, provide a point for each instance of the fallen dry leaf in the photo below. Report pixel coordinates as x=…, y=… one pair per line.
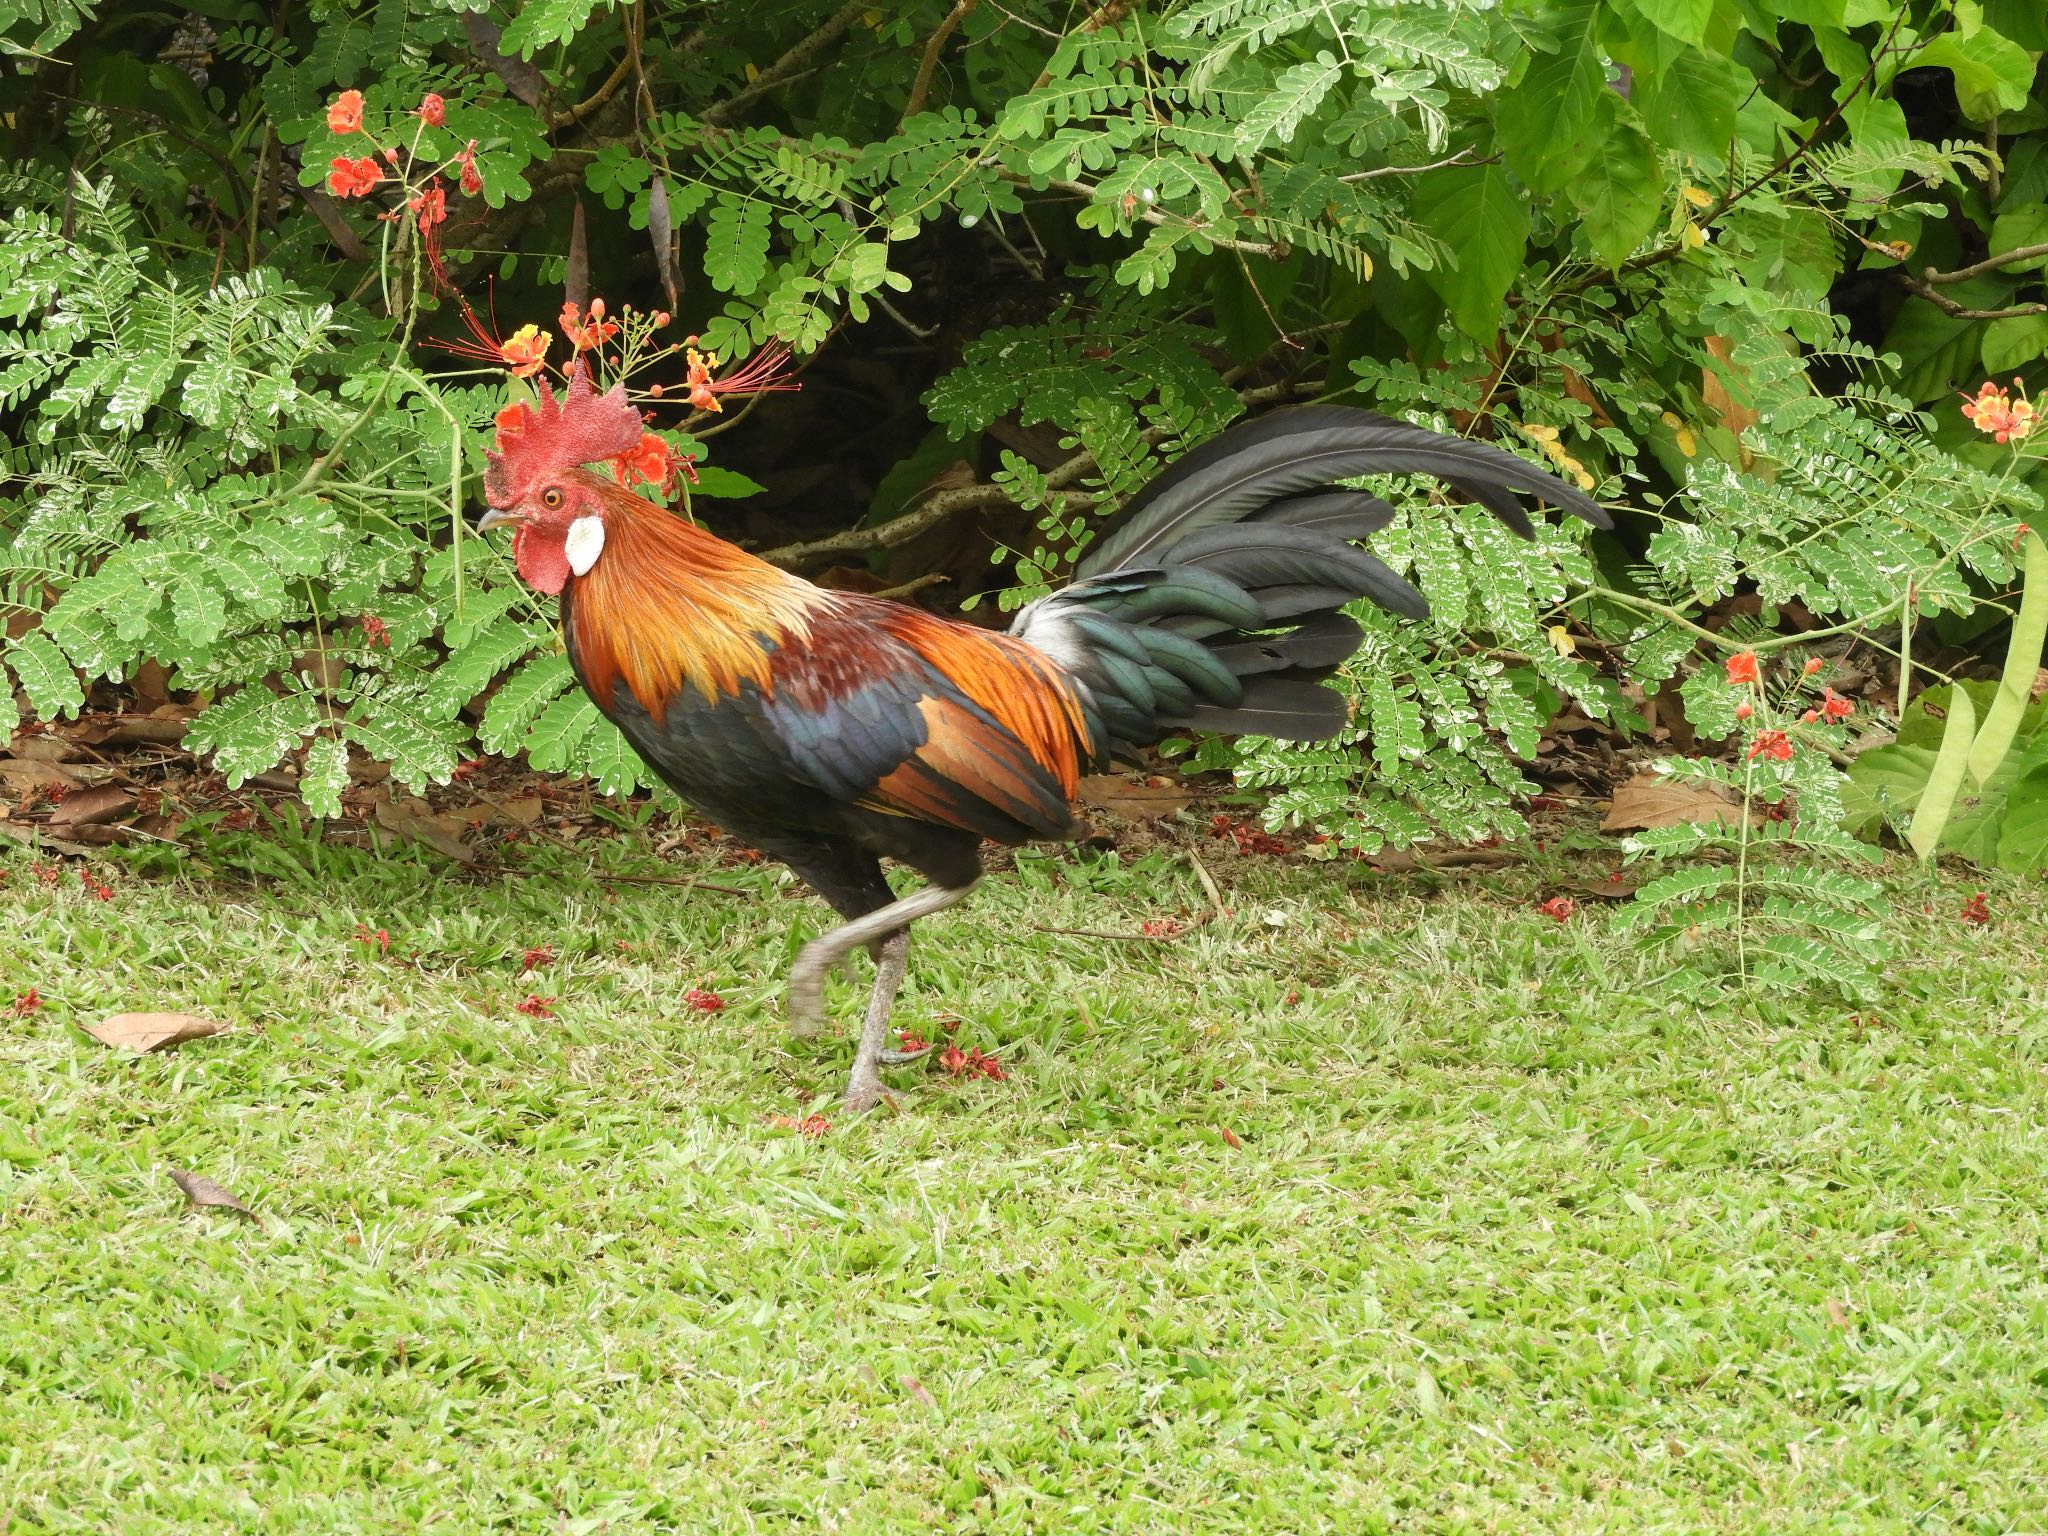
x=152, y=1031
x=415, y=819
x=918, y=1390
x=1838, y=1314
x=1651, y=800
x=22, y=776
x=90, y=807
x=44, y=749
x=1231, y=1138
x=1134, y=802
x=202, y=1191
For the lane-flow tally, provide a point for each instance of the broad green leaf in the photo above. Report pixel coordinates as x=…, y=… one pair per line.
x=1690, y=105
x=1993, y=74
x=1685, y=20
x=1478, y=215
x=713, y=481
x=1620, y=192
x=1546, y=120
x=2023, y=838
x=2014, y=342
x=2020, y=228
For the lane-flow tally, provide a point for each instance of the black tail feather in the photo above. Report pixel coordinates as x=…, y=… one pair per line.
x=1213, y=599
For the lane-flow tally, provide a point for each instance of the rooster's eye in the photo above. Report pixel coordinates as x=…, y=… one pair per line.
x=551, y=499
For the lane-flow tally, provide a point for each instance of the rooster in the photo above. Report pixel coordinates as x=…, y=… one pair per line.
x=834, y=730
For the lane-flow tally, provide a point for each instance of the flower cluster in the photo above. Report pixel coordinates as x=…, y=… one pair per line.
x=426, y=196
x=970, y=1062
x=1745, y=670
x=1999, y=416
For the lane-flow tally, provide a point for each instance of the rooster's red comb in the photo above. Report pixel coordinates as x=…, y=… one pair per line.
x=536, y=441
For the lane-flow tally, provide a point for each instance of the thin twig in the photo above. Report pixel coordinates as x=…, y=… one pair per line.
x=1209, y=886
x=1276, y=250
x=1416, y=170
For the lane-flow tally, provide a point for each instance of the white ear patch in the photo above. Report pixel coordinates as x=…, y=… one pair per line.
x=584, y=544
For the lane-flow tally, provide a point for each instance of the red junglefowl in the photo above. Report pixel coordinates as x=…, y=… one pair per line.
x=834, y=730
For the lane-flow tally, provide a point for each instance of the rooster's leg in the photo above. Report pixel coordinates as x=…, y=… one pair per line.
x=864, y=1088
x=807, y=977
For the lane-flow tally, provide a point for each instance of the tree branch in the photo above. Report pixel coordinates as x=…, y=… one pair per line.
x=930, y=62
x=1988, y=264
x=936, y=509
x=795, y=61
x=1925, y=284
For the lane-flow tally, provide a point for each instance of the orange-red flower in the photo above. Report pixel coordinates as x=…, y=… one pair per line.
x=1773, y=744
x=433, y=111
x=1998, y=414
x=584, y=334
x=431, y=205
x=1834, y=706
x=762, y=374
x=647, y=463
x=353, y=178
x=345, y=113
x=1742, y=668
x=525, y=351
x=472, y=182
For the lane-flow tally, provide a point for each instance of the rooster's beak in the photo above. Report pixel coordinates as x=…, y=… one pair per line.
x=495, y=517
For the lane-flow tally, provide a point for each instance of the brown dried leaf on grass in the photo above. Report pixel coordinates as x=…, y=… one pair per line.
x=202, y=1191
x=152, y=1031
x=1652, y=800
x=415, y=819
x=91, y=807
x=1134, y=802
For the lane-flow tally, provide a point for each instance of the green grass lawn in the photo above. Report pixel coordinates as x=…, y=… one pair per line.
x=1385, y=1203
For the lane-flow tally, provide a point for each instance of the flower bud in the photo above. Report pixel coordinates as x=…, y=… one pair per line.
x=1810, y=716
x=662, y=317
x=597, y=309
x=1813, y=665
x=1744, y=711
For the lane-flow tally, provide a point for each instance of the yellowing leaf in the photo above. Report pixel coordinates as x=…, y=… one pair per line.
x=1561, y=640
x=753, y=73
x=1692, y=239
x=152, y=1031
x=1698, y=198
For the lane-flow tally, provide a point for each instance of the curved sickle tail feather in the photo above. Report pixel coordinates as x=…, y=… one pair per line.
x=1212, y=599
